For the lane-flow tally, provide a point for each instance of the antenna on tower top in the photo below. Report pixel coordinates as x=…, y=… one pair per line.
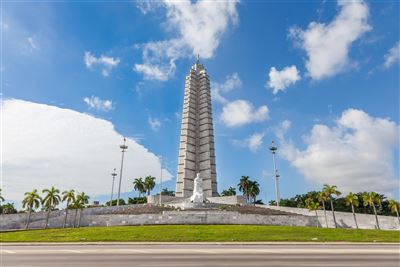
x=198, y=59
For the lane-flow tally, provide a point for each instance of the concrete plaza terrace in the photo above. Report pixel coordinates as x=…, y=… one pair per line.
x=147, y=214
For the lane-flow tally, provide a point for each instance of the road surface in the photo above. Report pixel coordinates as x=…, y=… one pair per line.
x=175, y=255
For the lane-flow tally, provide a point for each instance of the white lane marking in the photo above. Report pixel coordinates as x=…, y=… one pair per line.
x=72, y=251
x=8, y=251
x=205, y=251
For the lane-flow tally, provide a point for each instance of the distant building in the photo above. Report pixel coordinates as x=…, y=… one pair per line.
x=196, y=149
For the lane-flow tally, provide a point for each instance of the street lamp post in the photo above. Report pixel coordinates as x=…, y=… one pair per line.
x=160, y=181
x=273, y=150
x=123, y=147
x=113, y=174
x=278, y=193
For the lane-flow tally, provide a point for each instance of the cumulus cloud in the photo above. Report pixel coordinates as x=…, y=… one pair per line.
x=356, y=154
x=155, y=124
x=105, y=63
x=392, y=56
x=231, y=82
x=328, y=45
x=49, y=146
x=280, y=80
x=159, y=59
x=199, y=26
x=241, y=112
x=252, y=142
x=96, y=103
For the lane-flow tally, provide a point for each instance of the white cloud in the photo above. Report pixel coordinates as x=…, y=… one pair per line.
x=241, y=112
x=95, y=102
x=392, y=56
x=32, y=43
x=155, y=124
x=49, y=146
x=356, y=154
x=231, y=82
x=253, y=142
x=199, y=27
x=159, y=59
x=280, y=80
x=105, y=63
x=328, y=45
x=4, y=25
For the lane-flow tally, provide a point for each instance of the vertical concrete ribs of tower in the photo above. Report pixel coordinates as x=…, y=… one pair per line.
x=197, y=151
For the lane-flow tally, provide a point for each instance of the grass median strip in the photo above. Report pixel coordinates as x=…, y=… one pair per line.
x=198, y=233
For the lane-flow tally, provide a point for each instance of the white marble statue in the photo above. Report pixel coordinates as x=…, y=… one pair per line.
x=197, y=196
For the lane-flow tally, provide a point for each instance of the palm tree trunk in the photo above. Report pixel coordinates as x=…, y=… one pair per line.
x=76, y=214
x=316, y=214
x=376, y=217
x=333, y=213
x=354, y=214
x=66, y=215
x=29, y=218
x=80, y=217
x=397, y=213
x=47, y=218
x=326, y=218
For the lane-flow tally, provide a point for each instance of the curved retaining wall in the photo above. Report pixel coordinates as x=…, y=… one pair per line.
x=93, y=217
x=344, y=219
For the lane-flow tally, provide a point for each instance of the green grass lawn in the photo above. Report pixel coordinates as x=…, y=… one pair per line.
x=193, y=233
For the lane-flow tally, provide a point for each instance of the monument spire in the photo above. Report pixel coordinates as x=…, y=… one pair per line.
x=196, y=149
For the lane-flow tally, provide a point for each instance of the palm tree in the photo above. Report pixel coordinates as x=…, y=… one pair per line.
x=1, y=196
x=76, y=205
x=149, y=183
x=322, y=198
x=68, y=196
x=50, y=201
x=31, y=201
x=370, y=199
x=312, y=206
x=253, y=190
x=231, y=191
x=139, y=186
x=352, y=199
x=329, y=191
x=394, y=207
x=82, y=199
x=243, y=185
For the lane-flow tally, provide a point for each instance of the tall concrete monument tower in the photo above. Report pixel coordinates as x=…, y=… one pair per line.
x=196, y=149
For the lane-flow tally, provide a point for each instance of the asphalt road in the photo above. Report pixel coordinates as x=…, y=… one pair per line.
x=176, y=255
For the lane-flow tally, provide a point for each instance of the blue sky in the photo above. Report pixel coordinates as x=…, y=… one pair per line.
x=333, y=112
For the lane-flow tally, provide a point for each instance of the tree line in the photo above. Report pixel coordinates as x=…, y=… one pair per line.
x=329, y=199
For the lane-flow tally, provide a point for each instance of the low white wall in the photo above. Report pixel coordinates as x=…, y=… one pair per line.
x=228, y=200
x=91, y=218
x=345, y=219
x=155, y=199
